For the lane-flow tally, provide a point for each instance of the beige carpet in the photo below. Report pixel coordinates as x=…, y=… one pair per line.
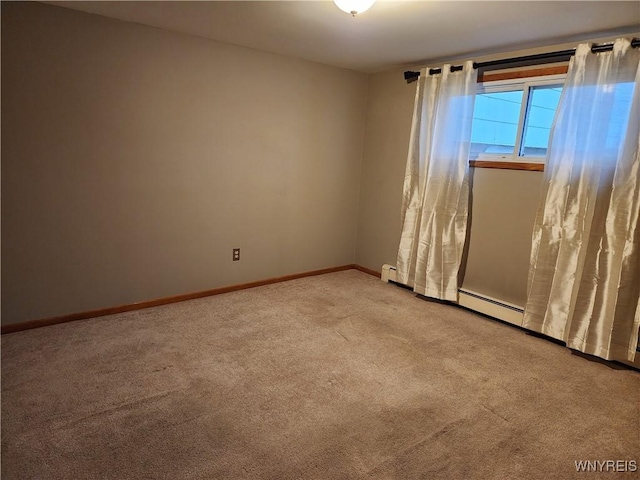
x=331, y=377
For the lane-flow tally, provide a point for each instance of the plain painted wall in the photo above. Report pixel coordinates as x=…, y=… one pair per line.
x=503, y=210
x=135, y=159
x=503, y=203
x=387, y=131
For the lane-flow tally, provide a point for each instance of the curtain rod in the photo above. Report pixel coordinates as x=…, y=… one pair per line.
x=411, y=76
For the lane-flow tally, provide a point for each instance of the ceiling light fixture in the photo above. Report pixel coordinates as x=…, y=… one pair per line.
x=354, y=6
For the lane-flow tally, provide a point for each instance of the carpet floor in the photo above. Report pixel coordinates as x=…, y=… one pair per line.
x=338, y=376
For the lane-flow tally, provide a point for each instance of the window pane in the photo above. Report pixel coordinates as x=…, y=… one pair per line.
x=543, y=102
x=495, y=123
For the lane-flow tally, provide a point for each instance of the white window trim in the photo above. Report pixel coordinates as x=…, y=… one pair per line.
x=525, y=85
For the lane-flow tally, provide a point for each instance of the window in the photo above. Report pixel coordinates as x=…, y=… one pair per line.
x=512, y=119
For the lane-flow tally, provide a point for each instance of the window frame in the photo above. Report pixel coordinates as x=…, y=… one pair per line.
x=525, y=85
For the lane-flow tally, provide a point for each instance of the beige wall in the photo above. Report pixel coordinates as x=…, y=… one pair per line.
x=389, y=111
x=134, y=160
x=502, y=211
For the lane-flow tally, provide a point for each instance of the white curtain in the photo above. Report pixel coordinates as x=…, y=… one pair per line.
x=584, y=280
x=436, y=185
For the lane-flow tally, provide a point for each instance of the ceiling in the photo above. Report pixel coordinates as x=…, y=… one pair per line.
x=391, y=34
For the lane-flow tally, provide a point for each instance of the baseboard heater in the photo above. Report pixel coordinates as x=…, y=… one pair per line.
x=475, y=301
x=478, y=302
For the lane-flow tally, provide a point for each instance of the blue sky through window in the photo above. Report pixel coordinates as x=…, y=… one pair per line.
x=543, y=102
x=495, y=122
x=496, y=118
